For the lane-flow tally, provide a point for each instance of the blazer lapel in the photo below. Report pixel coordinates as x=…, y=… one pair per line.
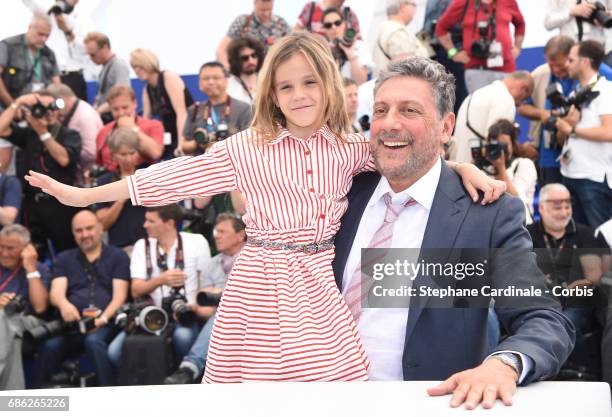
x=358, y=197
x=449, y=207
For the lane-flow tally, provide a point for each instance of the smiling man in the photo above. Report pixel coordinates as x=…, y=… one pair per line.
x=419, y=203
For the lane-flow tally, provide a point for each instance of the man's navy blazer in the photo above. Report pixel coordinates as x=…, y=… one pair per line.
x=442, y=341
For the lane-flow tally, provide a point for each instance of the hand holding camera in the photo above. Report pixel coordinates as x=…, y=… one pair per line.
x=126, y=121
x=5, y=298
x=583, y=10
x=69, y=312
x=173, y=278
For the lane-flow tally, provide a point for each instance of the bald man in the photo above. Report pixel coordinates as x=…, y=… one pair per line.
x=27, y=64
x=88, y=282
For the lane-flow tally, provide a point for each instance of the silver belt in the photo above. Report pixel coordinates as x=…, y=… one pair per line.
x=302, y=247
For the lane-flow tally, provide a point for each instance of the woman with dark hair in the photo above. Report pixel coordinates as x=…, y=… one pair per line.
x=245, y=56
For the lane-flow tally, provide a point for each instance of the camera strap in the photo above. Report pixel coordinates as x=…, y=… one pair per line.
x=491, y=17
x=9, y=279
x=92, y=275
x=162, y=260
x=467, y=119
x=71, y=113
x=210, y=115
x=579, y=23
x=311, y=10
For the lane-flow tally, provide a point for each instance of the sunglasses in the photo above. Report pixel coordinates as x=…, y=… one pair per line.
x=245, y=58
x=328, y=25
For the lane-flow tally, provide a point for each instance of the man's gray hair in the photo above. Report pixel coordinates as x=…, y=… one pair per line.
x=123, y=136
x=442, y=83
x=40, y=17
x=393, y=6
x=60, y=90
x=546, y=190
x=17, y=229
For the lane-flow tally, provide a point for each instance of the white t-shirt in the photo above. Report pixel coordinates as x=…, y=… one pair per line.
x=195, y=252
x=489, y=104
x=236, y=90
x=523, y=174
x=589, y=159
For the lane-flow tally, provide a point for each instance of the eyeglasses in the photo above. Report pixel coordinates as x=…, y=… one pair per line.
x=328, y=25
x=560, y=203
x=212, y=78
x=245, y=58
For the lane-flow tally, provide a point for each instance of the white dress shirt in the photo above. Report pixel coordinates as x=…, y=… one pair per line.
x=383, y=330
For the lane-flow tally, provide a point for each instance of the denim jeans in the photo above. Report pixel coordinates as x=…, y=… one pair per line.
x=53, y=351
x=199, y=351
x=182, y=339
x=591, y=201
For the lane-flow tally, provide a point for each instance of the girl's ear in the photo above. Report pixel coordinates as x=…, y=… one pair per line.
x=274, y=99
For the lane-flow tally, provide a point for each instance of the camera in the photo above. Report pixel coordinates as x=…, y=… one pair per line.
x=208, y=299
x=175, y=304
x=57, y=327
x=600, y=16
x=15, y=306
x=493, y=151
x=561, y=105
x=203, y=137
x=39, y=110
x=364, y=122
x=350, y=34
x=481, y=48
x=142, y=315
x=61, y=7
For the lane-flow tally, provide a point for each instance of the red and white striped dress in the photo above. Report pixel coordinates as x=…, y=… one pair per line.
x=282, y=317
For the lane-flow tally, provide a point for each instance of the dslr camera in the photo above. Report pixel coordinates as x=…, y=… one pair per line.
x=39, y=110
x=203, y=137
x=142, y=315
x=15, y=306
x=208, y=299
x=61, y=7
x=350, y=34
x=561, y=105
x=600, y=16
x=175, y=305
x=58, y=327
x=481, y=48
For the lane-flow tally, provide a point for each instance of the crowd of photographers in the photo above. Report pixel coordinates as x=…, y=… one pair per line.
x=133, y=290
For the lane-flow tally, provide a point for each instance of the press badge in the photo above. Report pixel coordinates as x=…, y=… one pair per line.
x=496, y=59
x=167, y=138
x=37, y=87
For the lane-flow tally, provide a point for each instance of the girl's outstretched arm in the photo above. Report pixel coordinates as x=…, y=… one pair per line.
x=79, y=197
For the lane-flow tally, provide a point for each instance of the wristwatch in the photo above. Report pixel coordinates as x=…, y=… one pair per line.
x=452, y=52
x=45, y=137
x=511, y=359
x=31, y=275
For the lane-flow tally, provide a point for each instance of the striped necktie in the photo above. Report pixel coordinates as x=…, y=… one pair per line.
x=356, y=292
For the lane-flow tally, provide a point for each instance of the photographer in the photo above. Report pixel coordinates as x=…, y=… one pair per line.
x=245, y=56
x=230, y=237
x=27, y=64
x=310, y=17
x=167, y=266
x=218, y=117
x=488, y=50
x=89, y=284
x=23, y=296
x=519, y=174
x=484, y=107
x=80, y=116
x=352, y=54
x=552, y=74
x=121, y=219
x=44, y=145
x=579, y=20
x=587, y=152
x=123, y=106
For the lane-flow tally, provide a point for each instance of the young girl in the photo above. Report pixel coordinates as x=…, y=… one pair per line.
x=282, y=317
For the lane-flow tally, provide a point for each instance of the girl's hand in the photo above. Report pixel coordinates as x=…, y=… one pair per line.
x=66, y=194
x=475, y=180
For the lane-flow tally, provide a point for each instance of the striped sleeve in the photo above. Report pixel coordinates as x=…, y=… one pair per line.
x=182, y=178
x=361, y=148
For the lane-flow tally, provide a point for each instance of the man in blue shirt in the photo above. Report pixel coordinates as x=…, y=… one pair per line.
x=89, y=281
x=23, y=293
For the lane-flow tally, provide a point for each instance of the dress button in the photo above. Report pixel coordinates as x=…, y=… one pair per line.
x=306, y=153
x=322, y=197
x=309, y=171
x=312, y=190
x=322, y=216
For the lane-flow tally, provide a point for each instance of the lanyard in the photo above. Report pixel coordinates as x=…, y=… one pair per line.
x=162, y=260
x=210, y=111
x=9, y=279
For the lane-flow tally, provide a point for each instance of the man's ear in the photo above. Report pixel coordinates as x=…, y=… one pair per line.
x=448, y=123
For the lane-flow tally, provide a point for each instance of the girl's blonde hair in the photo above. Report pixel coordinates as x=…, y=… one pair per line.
x=145, y=59
x=268, y=116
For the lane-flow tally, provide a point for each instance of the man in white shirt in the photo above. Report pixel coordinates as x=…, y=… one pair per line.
x=164, y=263
x=484, y=107
x=429, y=210
x=586, y=158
